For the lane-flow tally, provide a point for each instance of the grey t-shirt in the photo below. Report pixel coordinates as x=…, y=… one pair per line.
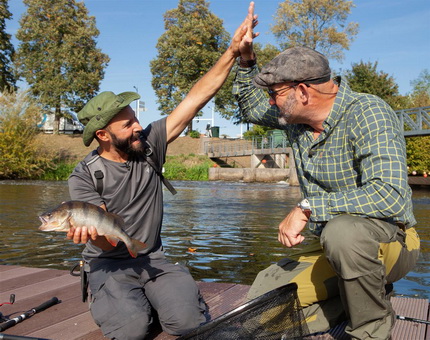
x=133, y=190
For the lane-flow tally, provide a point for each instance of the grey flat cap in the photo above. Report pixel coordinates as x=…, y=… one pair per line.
x=295, y=64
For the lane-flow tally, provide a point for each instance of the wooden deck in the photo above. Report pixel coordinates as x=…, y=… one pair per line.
x=71, y=320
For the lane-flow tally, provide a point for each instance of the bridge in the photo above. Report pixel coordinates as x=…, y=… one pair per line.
x=274, y=151
x=416, y=122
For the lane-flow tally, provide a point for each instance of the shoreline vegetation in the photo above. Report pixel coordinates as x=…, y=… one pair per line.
x=39, y=156
x=26, y=153
x=181, y=167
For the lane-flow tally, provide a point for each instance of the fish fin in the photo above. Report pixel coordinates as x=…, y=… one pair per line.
x=112, y=240
x=136, y=246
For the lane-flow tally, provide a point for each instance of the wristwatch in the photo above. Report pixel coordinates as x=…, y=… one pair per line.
x=304, y=205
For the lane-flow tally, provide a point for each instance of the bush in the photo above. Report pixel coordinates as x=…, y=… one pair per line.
x=418, y=155
x=19, y=156
x=194, y=134
x=187, y=167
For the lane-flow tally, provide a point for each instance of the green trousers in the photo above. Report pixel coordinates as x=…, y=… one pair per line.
x=343, y=276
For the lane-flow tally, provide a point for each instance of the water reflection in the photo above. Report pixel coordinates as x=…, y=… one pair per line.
x=222, y=231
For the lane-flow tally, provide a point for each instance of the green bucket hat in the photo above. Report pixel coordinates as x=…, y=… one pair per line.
x=98, y=112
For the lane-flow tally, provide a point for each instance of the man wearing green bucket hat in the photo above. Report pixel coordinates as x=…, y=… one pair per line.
x=123, y=176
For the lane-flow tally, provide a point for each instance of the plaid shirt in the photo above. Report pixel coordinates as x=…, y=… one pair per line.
x=358, y=163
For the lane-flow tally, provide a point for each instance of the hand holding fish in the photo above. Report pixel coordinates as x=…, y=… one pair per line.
x=82, y=234
x=73, y=217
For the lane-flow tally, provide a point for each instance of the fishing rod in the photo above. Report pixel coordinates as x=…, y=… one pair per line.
x=18, y=337
x=27, y=314
x=407, y=318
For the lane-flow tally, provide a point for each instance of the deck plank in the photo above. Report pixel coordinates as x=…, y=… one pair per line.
x=14, y=279
x=413, y=308
x=71, y=320
x=69, y=329
x=39, y=287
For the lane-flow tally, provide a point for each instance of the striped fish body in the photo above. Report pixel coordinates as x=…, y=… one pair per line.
x=80, y=214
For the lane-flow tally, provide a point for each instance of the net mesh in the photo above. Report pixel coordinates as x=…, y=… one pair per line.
x=274, y=315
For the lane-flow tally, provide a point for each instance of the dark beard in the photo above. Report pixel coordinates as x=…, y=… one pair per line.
x=125, y=146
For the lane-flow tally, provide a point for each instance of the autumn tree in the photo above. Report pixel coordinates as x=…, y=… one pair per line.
x=58, y=54
x=19, y=157
x=365, y=78
x=193, y=40
x=7, y=51
x=317, y=24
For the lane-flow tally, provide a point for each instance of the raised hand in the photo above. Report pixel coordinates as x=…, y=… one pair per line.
x=241, y=43
x=245, y=47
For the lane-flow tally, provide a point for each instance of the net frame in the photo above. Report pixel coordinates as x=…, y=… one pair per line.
x=240, y=323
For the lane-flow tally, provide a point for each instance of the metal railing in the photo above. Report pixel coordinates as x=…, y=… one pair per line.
x=416, y=121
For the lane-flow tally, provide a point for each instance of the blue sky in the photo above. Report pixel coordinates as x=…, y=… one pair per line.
x=395, y=33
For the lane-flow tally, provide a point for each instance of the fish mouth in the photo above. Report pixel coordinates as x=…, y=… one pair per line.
x=43, y=219
x=46, y=226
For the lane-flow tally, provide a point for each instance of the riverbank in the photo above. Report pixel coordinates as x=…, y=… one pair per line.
x=71, y=147
x=183, y=161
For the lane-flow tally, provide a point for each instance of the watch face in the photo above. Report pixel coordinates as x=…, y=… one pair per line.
x=305, y=205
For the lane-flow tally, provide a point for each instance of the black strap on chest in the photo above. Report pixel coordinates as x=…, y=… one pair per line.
x=97, y=169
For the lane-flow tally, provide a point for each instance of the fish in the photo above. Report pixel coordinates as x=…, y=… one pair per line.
x=79, y=214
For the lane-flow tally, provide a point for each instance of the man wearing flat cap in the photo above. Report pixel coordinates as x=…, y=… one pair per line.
x=124, y=176
x=350, y=156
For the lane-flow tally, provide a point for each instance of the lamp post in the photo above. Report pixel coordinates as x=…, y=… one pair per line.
x=137, y=105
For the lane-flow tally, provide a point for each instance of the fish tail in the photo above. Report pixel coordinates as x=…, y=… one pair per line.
x=135, y=247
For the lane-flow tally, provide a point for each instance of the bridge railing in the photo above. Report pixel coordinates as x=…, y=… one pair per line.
x=416, y=121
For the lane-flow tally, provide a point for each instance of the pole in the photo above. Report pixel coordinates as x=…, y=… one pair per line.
x=137, y=105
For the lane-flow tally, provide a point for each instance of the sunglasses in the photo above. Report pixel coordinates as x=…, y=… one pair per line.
x=280, y=92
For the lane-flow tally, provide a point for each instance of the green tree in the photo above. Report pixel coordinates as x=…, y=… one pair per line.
x=257, y=131
x=7, y=51
x=193, y=40
x=364, y=78
x=417, y=148
x=317, y=24
x=418, y=155
x=421, y=89
x=58, y=56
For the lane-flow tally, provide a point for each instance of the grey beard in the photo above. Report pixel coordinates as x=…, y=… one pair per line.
x=283, y=119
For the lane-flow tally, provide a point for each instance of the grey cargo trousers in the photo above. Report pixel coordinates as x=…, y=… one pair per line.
x=126, y=293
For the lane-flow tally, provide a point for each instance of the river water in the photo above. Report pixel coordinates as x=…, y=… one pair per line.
x=223, y=231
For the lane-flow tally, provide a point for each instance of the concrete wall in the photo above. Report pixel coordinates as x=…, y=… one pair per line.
x=249, y=174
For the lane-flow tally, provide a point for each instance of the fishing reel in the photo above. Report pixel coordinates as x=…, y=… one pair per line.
x=11, y=302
